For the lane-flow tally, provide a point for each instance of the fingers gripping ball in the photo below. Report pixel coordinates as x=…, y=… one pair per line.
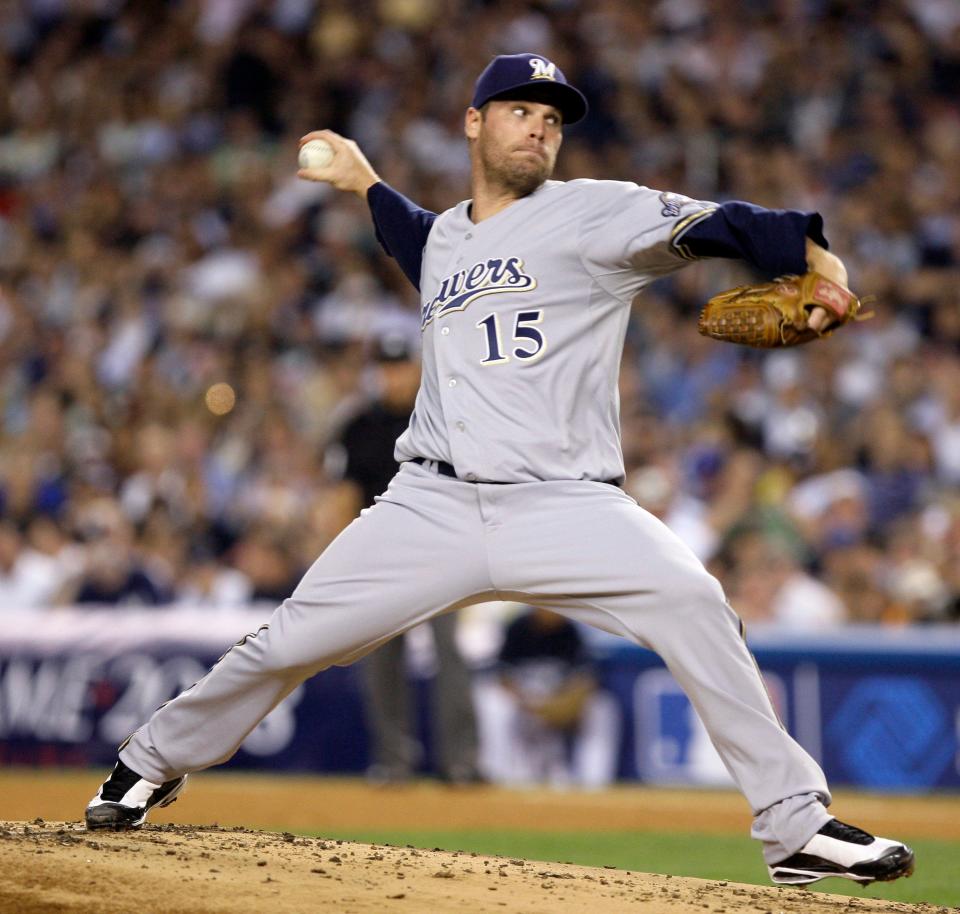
x=315, y=154
x=776, y=314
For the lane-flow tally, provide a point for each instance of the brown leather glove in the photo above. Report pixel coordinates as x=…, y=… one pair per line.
x=775, y=314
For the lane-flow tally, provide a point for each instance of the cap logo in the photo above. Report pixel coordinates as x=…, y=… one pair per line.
x=543, y=69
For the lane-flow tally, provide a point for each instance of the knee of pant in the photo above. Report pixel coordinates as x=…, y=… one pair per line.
x=283, y=662
x=698, y=595
x=279, y=656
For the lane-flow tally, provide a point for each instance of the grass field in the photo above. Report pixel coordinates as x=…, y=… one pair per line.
x=737, y=859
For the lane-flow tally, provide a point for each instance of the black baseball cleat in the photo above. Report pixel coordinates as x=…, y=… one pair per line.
x=841, y=850
x=125, y=798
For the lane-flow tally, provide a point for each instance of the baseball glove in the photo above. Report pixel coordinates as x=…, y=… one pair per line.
x=774, y=314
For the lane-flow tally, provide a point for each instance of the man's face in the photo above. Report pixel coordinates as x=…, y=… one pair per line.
x=516, y=142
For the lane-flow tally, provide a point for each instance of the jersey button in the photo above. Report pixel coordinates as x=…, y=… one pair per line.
x=468, y=236
x=452, y=382
x=461, y=426
x=445, y=331
x=471, y=477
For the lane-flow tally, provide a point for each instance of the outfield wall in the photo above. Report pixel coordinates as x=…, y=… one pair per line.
x=878, y=708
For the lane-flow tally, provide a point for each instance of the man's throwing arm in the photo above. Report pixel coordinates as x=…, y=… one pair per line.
x=402, y=228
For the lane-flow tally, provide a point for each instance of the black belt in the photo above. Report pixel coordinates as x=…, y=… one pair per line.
x=446, y=469
x=443, y=468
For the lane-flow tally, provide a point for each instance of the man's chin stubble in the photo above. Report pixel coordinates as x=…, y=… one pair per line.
x=520, y=182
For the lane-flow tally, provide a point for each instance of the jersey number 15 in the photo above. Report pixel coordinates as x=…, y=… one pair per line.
x=524, y=330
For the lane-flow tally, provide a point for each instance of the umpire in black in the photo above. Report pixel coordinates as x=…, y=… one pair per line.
x=366, y=454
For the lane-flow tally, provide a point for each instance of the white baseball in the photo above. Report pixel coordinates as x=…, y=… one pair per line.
x=315, y=154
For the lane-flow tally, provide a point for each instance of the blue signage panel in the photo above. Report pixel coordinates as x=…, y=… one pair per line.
x=875, y=713
x=877, y=709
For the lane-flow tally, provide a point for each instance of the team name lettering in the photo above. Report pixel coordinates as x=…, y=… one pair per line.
x=464, y=287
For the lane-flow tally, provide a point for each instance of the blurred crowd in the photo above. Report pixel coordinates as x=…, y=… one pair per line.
x=155, y=242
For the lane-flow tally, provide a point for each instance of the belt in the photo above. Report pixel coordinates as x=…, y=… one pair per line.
x=443, y=468
x=446, y=469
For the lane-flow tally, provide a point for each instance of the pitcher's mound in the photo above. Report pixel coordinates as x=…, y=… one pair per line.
x=55, y=868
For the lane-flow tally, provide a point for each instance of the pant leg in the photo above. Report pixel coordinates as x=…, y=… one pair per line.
x=370, y=584
x=454, y=715
x=587, y=550
x=394, y=748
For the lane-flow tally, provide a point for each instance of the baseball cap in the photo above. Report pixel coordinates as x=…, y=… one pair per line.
x=532, y=77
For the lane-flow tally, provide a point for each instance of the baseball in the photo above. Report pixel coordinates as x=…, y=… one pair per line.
x=315, y=154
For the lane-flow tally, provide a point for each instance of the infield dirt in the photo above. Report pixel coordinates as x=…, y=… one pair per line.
x=51, y=867
x=55, y=868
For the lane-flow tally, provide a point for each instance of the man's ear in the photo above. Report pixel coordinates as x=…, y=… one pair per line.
x=471, y=123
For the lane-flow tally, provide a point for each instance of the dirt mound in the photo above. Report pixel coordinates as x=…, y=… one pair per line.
x=56, y=868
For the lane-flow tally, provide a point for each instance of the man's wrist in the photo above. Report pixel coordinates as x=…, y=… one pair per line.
x=364, y=189
x=820, y=260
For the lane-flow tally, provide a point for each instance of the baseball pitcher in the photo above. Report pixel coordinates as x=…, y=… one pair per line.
x=511, y=465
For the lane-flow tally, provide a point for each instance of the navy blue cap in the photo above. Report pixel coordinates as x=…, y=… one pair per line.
x=532, y=77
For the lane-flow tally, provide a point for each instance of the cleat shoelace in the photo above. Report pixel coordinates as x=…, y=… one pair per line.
x=843, y=832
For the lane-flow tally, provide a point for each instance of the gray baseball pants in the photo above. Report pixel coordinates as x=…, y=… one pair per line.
x=580, y=548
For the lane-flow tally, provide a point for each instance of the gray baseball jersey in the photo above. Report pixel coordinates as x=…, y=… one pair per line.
x=524, y=317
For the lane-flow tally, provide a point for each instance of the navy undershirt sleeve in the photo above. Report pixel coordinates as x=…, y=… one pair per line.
x=772, y=240
x=402, y=228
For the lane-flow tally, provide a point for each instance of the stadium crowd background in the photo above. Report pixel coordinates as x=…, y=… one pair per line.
x=154, y=241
